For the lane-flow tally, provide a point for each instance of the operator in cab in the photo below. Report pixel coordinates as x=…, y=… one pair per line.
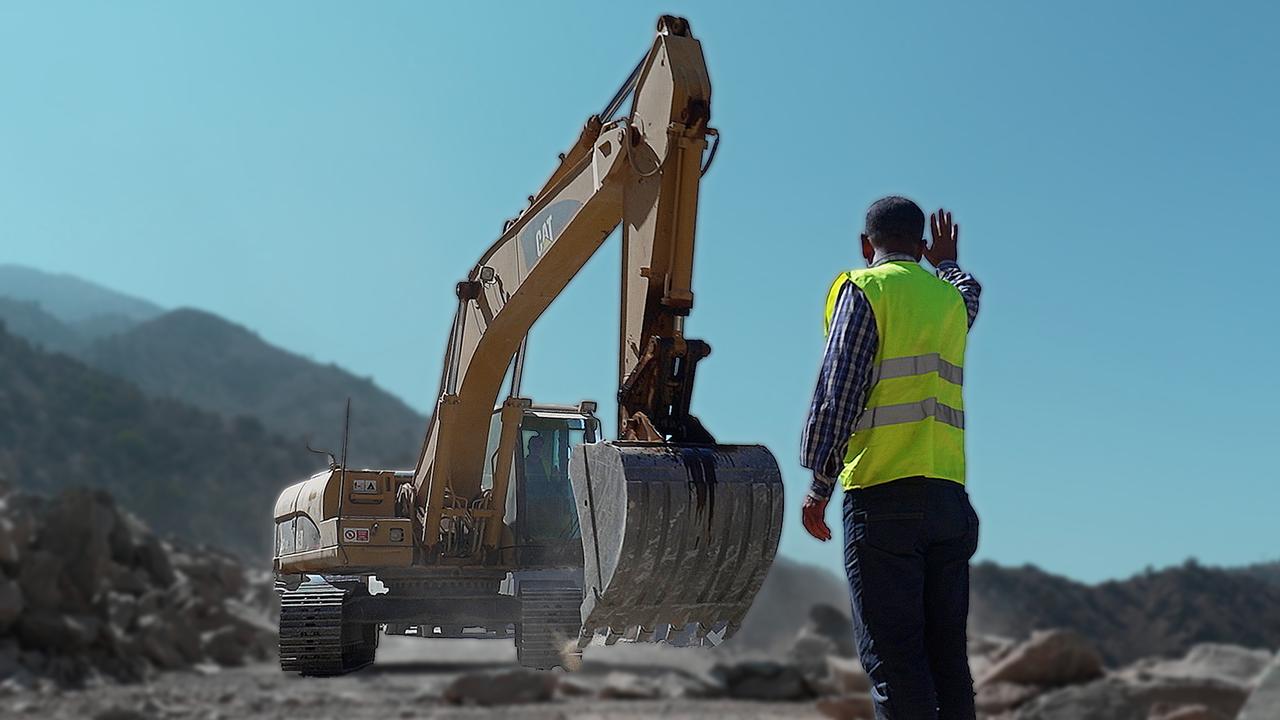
x=887, y=423
x=550, y=511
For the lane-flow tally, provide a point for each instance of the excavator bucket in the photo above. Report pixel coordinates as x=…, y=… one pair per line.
x=676, y=539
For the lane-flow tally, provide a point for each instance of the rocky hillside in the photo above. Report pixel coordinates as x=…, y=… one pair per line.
x=88, y=591
x=205, y=361
x=1159, y=612
x=186, y=471
x=215, y=365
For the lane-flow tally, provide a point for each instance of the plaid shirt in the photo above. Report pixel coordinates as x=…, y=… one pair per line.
x=844, y=381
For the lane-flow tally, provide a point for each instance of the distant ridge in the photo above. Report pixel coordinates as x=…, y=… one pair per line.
x=71, y=299
x=211, y=363
x=217, y=365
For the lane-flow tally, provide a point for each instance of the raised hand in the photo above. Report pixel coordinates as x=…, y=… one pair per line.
x=946, y=235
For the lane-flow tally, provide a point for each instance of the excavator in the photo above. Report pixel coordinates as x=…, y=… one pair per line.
x=521, y=520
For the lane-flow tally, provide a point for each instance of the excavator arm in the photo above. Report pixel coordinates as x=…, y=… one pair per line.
x=677, y=531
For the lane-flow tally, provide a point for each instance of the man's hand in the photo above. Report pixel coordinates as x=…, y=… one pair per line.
x=945, y=238
x=814, y=515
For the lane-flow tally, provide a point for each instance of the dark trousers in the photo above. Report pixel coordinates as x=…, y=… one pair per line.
x=907, y=549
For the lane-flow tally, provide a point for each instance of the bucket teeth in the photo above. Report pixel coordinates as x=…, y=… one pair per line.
x=677, y=539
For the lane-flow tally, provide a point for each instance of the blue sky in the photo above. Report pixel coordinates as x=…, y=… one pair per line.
x=324, y=172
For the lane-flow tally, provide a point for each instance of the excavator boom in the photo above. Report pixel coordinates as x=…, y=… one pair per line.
x=677, y=531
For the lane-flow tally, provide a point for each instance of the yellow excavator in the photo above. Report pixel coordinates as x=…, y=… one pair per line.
x=520, y=520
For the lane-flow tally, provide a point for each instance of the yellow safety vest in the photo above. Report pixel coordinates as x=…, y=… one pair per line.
x=914, y=419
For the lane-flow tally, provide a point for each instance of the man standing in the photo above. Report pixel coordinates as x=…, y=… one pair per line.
x=887, y=421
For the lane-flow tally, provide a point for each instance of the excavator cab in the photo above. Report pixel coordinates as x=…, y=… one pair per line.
x=541, y=513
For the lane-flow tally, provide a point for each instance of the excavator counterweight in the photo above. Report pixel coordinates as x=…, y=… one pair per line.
x=520, y=519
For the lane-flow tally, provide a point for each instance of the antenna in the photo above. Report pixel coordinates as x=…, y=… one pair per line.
x=346, y=435
x=342, y=480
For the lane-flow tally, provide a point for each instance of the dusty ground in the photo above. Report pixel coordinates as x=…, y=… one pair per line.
x=405, y=683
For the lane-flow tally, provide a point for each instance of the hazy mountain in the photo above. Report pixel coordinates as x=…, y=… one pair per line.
x=188, y=472
x=216, y=365
x=27, y=319
x=73, y=300
x=208, y=362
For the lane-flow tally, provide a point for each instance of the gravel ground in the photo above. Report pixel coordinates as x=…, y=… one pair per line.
x=407, y=682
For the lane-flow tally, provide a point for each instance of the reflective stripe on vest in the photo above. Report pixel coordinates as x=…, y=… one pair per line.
x=913, y=424
x=910, y=412
x=918, y=365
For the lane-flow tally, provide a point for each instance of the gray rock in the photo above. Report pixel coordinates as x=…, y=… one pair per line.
x=161, y=643
x=122, y=610
x=39, y=577
x=516, y=687
x=77, y=528
x=1229, y=663
x=1116, y=698
x=833, y=624
x=52, y=632
x=11, y=603
x=10, y=659
x=828, y=633
x=1001, y=697
x=762, y=680
x=10, y=549
x=1264, y=703
x=1050, y=658
x=224, y=646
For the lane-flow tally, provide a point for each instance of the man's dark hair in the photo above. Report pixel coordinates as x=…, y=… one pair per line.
x=895, y=224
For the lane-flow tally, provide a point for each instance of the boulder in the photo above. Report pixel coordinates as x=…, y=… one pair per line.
x=853, y=706
x=1001, y=697
x=77, y=528
x=762, y=680
x=1118, y=698
x=832, y=624
x=10, y=549
x=53, y=632
x=1264, y=703
x=40, y=577
x=11, y=602
x=162, y=643
x=1229, y=663
x=515, y=687
x=224, y=646
x=10, y=659
x=1049, y=658
x=985, y=651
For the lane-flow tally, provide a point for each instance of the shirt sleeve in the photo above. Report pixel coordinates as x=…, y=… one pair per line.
x=968, y=286
x=841, y=392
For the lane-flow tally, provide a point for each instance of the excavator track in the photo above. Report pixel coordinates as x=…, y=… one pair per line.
x=550, y=623
x=314, y=638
